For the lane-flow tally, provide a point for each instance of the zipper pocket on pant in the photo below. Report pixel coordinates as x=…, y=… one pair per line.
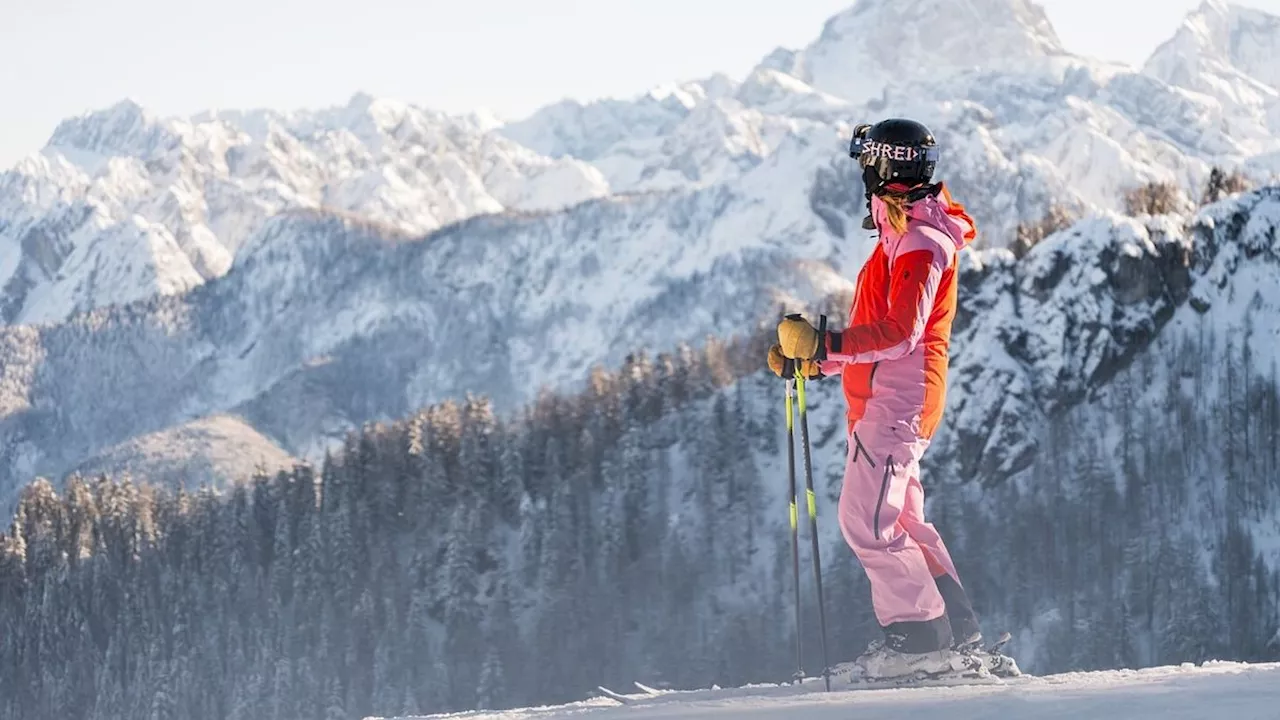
x=858, y=449
x=884, y=490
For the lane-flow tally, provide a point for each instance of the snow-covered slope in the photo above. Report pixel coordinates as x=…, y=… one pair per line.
x=1022, y=122
x=680, y=137
x=878, y=43
x=1037, y=336
x=1220, y=45
x=326, y=321
x=217, y=450
x=122, y=205
x=587, y=131
x=1235, y=690
x=1228, y=53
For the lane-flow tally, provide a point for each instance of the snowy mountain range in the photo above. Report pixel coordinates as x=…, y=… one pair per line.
x=273, y=279
x=122, y=205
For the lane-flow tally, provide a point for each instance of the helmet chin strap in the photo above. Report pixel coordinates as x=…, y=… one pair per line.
x=924, y=191
x=870, y=180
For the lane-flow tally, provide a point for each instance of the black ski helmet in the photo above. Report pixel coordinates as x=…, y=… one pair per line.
x=892, y=151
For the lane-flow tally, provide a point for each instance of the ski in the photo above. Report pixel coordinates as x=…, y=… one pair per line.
x=843, y=678
x=624, y=699
x=919, y=681
x=998, y=663
x=646, y=689
x=850, y=679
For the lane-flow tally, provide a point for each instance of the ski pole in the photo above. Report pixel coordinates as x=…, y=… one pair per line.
x=790, y=375
x=813, y=511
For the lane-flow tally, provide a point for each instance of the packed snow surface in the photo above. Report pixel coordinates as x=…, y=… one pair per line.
x=1214, y=690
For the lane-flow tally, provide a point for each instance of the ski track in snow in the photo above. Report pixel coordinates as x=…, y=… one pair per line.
x=1214, y=690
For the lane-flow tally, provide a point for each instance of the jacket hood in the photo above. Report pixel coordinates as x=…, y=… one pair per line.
x=937, y=210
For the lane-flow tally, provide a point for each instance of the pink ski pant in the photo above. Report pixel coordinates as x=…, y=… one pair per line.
x=882, y=518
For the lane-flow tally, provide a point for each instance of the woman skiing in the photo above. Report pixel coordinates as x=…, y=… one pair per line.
x=893, y=361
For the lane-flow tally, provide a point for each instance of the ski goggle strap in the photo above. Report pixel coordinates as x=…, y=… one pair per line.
x=859, y=138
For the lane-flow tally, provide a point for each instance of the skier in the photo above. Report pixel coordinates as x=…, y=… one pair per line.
x=893, y=361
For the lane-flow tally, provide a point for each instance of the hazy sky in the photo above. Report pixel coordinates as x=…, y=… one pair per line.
x=60, y=58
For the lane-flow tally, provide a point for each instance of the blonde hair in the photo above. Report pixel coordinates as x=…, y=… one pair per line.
x=895, y=205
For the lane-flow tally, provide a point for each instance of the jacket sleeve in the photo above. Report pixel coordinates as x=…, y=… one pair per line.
x=915, y=276
x=831, y=366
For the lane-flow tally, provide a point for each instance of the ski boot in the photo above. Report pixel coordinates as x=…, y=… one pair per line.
x=881, y=662
x=996, y=662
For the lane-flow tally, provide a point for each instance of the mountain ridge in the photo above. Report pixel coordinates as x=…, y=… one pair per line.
x=364, y=349
x=207, y=182
x=204, y=185
x=299, y=249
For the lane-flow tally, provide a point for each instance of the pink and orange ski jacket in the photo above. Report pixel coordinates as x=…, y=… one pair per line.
x=893, y=355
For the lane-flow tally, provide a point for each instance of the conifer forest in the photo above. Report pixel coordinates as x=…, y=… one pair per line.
x=635, y=530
